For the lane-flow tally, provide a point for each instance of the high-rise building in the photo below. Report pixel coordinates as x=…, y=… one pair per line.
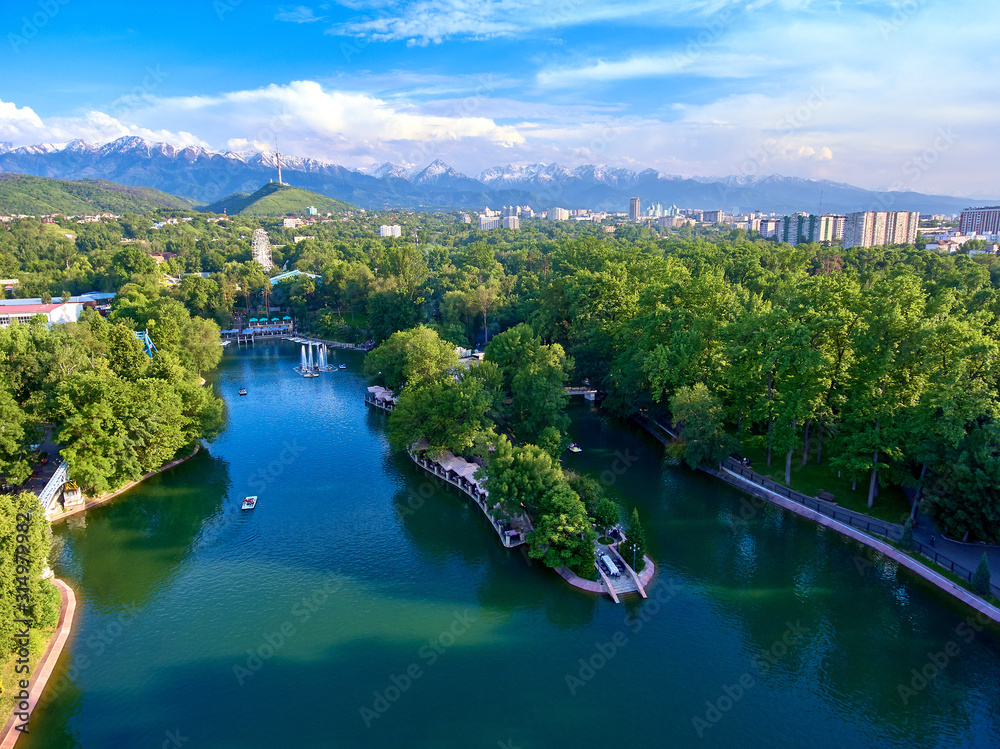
x=558, y=214
x=829, y=228
x=490, y=222
x=713, y=217
x=511, y=222
x=980, y=220
x=877, y=228
x=390, y=231
x=634, y=209
x=796, y=228
x=771, y=227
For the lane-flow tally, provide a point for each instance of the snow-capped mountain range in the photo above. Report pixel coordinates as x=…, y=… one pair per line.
x=207, y=176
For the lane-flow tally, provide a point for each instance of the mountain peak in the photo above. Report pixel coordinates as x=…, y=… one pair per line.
x=436, y=171
x=387, y=169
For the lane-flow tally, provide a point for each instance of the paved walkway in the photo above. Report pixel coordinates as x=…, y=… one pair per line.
x=47, y=663
x=968, y=555
x=944, y=552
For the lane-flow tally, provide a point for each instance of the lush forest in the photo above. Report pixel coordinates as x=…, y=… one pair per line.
x=115, y=412
x=274, y=199
x=23, y=194
x=877, y=366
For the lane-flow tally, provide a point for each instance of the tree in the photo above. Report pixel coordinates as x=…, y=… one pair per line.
x=981, y=579
x=589, y=489
x=606, y=514
x=15, y=424
x=634, y=546
x=125, y=354
x=907, y=540
x=535, y=377
x=519, y=477
x=200, y=349
x=130, y=261
x=410, y=357
x=964, y=494
x=450, y=415
x=25, y=538
x=702, y=432
x=563, y=535
x=388, y=312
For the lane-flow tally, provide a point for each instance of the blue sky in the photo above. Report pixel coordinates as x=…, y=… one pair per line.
x=899, y=95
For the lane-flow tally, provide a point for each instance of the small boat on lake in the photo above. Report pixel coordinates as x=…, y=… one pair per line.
x=243, y=391
x=249, y=503
x=575, y=448
x=343, y=366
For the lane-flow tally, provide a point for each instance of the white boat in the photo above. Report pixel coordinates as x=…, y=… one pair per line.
x=343, y=366
x=575, y=448
x=249, y=502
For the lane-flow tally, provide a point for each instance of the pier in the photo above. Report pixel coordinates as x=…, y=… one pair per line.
x=460, y=474
x=330, y=344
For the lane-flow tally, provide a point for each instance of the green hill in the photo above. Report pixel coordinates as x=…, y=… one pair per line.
x=275, y=199
x=35, y=196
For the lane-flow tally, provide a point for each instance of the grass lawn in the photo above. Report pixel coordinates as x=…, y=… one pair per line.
x=54, y=230
x=891, y=505
x=357, y=319
x=38, y=641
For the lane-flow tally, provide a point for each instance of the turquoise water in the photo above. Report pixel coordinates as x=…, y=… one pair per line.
x=363, y=604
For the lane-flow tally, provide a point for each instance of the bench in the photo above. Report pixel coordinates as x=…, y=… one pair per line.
x=827, y=497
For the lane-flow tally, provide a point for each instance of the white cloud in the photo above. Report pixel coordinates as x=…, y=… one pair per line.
x=711, y=65
x=306, y=119
x=22, y=126
x=422, y=22
x=296, y=14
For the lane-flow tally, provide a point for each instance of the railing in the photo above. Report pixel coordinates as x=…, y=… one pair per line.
x=379, y=404
x=855, y=520
x=48, y=495
x=467, y=488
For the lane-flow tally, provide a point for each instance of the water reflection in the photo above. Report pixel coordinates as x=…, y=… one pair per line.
x=124, y=551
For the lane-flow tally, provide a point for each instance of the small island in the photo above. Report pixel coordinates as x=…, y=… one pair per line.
x=494, y=427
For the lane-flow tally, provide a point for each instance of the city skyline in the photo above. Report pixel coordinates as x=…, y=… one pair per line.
x=855, y=92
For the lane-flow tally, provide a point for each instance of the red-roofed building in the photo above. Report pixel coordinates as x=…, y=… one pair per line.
x=53, y=313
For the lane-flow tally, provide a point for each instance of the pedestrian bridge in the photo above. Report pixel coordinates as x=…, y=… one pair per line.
x=49, y=496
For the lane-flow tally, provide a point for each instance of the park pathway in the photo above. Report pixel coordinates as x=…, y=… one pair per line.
x=961, y=559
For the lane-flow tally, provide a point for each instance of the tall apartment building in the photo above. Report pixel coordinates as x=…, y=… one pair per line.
x=490, y=222
x=876, y=228
x=558, y=214
x=390, y=231
x=714, y=217
x=829, y=228
x=805, y=227
x=634, y=209
x=511, y=222
x=980, y=220
x=771, y=227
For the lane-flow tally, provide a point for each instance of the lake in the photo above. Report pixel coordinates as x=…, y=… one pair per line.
x=365, y=604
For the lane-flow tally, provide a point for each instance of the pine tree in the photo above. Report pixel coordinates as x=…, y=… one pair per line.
x=907, y=539
x=634, y=547
x=981, y=580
